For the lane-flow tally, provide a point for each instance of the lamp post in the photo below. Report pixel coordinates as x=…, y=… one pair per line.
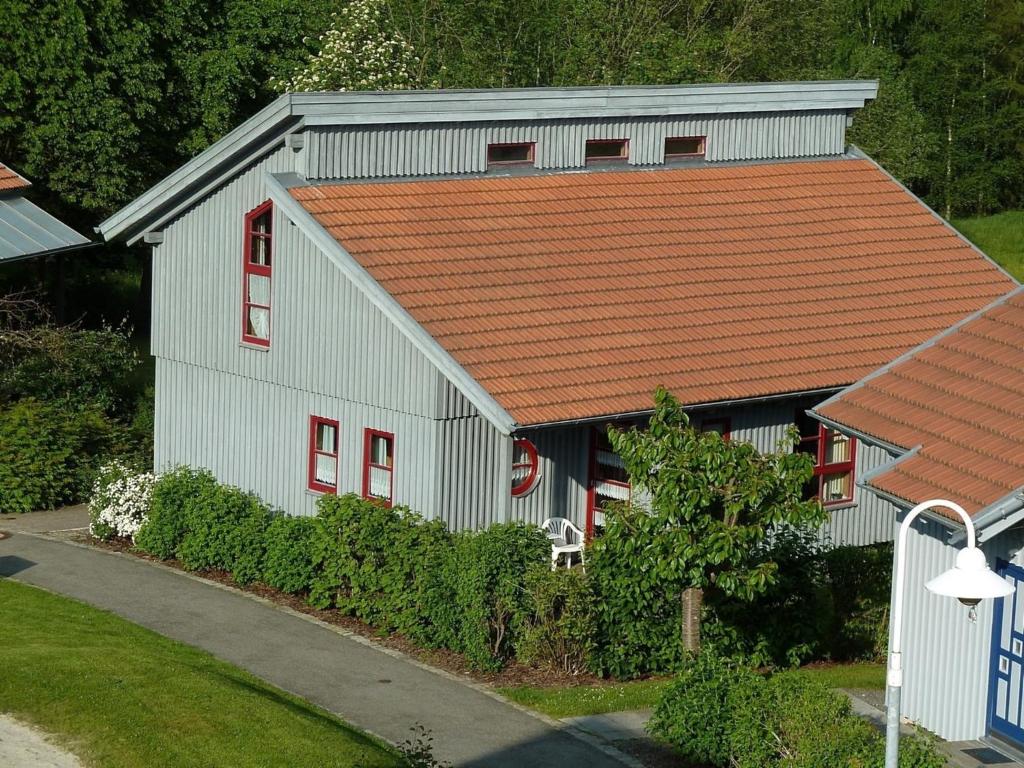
x=970, y=581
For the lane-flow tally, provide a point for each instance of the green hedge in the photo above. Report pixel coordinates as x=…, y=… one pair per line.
x=719, y=714
x=289, y=554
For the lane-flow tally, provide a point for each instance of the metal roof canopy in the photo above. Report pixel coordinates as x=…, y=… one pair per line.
x=27, y=231
x=292, y=111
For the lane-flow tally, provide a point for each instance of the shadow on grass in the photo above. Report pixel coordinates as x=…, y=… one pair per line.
x=291, y=703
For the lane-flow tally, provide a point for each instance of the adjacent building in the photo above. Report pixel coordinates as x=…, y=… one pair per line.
x=950, y=415
x=442, y=299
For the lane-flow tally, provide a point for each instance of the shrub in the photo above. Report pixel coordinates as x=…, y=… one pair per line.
x=372, y=562
x=163, y=532
x=638, y=613
x=225, y=528
x=789, y=623
x=556, y=628
x=120, y=501
x=719, y=714
x=70, y=365
x=289, y=559
x=49, y=454
x=860, y=579
x=142, y=426
x=479, y=591
x=698, y=711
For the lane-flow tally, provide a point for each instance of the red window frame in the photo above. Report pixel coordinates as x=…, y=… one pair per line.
x=531, y=463
x=700, y=153
x=596, y=477
x=815, y=445
x=530, y=159
x=723, y=424
x=623, y=155
x=368, y=436
x=312, y=483
x=262, y=270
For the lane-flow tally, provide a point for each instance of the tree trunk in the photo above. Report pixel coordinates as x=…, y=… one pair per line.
x=693, y=600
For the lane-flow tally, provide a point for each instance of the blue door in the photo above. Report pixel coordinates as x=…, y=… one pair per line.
x=1006, y=691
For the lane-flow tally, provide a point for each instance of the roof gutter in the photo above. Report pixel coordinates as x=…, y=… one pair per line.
x=996, y=517
x=864, y=437
x=688, y=407
x=53, y=252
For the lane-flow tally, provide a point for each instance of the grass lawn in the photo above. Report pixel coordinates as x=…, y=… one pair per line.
x=119, y=695
x=1000, y=236
x=644, y=694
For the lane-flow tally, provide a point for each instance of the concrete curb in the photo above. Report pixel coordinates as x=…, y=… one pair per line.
x=486, y=690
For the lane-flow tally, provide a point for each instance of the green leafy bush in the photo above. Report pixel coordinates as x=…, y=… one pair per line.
x=174, y=491
x=790, y=622
x=698, y=712
x=556, y=628
x=860, y=579
x=225, y=529
x=289, y=558
x=638, y=613
x=479, y=591
x=717, y=713
x=372, y=562
x=71, y=365
x=49, y=454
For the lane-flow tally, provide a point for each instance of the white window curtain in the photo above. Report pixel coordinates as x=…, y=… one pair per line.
x=326, y=469
x=380, y=483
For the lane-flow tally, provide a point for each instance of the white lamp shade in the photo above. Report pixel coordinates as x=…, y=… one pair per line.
x=969, y=579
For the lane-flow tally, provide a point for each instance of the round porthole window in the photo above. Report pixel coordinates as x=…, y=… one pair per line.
x=524, y=467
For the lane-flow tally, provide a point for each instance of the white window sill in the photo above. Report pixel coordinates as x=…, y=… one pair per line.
x=253, y=347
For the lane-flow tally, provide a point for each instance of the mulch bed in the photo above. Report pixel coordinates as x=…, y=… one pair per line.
x=512, y=675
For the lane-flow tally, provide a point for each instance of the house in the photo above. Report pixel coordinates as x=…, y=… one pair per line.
x=442, y=298
x=950, y=415
x=27, y=231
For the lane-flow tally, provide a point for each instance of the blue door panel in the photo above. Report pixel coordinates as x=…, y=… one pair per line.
x=1006, y=678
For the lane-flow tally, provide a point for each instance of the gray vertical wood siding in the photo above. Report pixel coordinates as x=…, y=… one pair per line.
x=945, y=656
x=359, y=152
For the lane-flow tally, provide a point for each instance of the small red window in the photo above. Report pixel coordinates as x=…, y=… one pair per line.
x=524, y=467
x=379, y=466
x=256, y=264
x=323, y=455
x=722, y=426
x=834, y=455
x=606, y=149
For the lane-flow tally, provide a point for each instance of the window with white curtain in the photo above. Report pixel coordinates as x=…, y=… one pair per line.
x=256, y=268
x=323, y=455
x=379, y=466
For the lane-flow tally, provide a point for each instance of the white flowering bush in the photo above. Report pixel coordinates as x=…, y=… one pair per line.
x=120, y=501
x=361, y=51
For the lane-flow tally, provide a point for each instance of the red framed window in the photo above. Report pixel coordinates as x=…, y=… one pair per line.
x=603, y=150
x=609, y=481
x=256, y=266
x=722, y=426
x=524, y=467
x=323, y=455
x=504, y=155
x=379, y=466
x=835, y=461
x=684, y=146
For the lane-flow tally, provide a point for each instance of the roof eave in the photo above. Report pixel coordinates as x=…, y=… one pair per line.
x=132, y=219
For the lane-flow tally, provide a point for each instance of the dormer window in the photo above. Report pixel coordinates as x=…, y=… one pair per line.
x=505, y=155
x=256, y=264
x=684, y=146
x=604, y=150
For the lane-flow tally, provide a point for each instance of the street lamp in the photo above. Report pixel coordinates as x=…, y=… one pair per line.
x=970, y=581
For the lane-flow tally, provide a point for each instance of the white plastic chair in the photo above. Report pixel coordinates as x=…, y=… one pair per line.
x=565, y=538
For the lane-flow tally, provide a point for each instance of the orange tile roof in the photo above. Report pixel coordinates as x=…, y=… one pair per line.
x=574, y=295
x=961, y=398
x=11, y=180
